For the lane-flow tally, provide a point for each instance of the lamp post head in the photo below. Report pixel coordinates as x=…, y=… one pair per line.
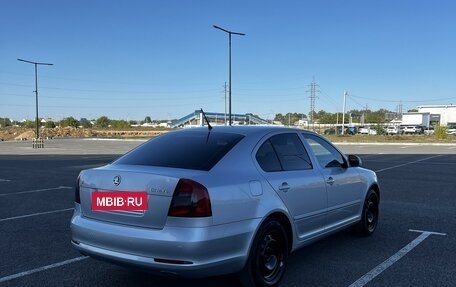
x=35, y=63
x=227, y=31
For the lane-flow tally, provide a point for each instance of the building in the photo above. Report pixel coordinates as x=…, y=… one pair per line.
x=416, y=119
x=440, y=114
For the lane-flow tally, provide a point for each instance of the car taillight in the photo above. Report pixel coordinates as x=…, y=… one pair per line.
x=77, y=196
x=190, y=199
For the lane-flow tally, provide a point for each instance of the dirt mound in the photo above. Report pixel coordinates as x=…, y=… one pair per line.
x=25, y=135
x=17, y=133
x=11, y=133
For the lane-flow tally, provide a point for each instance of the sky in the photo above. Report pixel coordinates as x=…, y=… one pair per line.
x=136, y=58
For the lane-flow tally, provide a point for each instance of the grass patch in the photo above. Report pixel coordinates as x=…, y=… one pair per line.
x=391, y=138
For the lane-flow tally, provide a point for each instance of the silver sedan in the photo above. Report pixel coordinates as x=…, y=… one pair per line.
x=234, y=199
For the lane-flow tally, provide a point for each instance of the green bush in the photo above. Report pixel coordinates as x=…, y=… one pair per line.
x=120, y=124
x=69, y=122
x=102, y=122
x=440, y=132
x=29, y=124
x=379, y=129
x=49, y=124
x=5, y=122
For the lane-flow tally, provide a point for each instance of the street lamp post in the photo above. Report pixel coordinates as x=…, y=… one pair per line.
x=36, y=91
x=229, y=77
x=343, y=113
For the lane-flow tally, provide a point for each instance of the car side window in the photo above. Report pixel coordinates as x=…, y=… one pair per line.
x=327, y=156
x=283, y=152
x=267, y=158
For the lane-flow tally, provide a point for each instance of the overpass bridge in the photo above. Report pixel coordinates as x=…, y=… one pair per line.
x=196, y=118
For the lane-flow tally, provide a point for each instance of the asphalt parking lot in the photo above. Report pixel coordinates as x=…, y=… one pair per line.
x=414, y=245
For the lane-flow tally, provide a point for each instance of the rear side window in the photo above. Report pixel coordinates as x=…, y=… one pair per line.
x=283, y=152
x=198, y=150
x=267, y=158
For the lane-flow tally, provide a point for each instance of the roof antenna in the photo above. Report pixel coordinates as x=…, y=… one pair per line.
x=206, y=119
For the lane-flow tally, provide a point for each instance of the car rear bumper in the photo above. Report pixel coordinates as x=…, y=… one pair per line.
x=182, y=251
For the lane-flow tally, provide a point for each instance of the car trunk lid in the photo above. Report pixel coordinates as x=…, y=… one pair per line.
x=159, y=184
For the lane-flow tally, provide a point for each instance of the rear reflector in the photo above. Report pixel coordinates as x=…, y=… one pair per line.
x=190, y=199
x=172, y=261
x=77, y=196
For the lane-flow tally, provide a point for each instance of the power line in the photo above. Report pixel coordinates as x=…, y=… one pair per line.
x=356, y=102
x=402, y=101
x=110, y=91
x=332, y=101
x=111, y=107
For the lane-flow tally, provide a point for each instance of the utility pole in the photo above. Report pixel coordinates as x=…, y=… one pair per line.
x=37, y=134
x=313, y=95
x=364, y=114
x=343, y=112
x=229, y=77
x=399, y=110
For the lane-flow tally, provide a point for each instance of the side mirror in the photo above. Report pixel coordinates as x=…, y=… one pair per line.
x=354, y=160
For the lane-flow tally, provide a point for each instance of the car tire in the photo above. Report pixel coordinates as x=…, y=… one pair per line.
x=369, y=217
x=268, y=256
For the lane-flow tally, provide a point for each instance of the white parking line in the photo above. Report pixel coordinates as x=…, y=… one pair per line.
x=37, y=190
x=407, y=163
x=26, y=273
x=35, y=214
x=393, y=259
x=4, y=180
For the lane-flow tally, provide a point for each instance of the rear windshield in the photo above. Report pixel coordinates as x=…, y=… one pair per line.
x=188, y=150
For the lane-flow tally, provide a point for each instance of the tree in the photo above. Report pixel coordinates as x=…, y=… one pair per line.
x=147, y=120
x=49, y=125
x=289, y=118
x=375, y=117
x=119, y=124
x=85, y=123
x=69, y=122
x=5, y=122
x=326, y=118
x=103, y=122
x=313, y=115
x=29, y=124
x=369, y=116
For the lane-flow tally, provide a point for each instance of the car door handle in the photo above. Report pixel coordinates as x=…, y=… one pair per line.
x=284, y=187
x=330, y=181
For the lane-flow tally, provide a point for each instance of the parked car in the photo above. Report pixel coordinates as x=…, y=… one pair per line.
x=393, y=130
x=332, y=131
x=367, y=131
x=351, y=130
x=224, y=200
x=347, y=131
x=429, y=130
x=413, y=130
x=451, y=129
